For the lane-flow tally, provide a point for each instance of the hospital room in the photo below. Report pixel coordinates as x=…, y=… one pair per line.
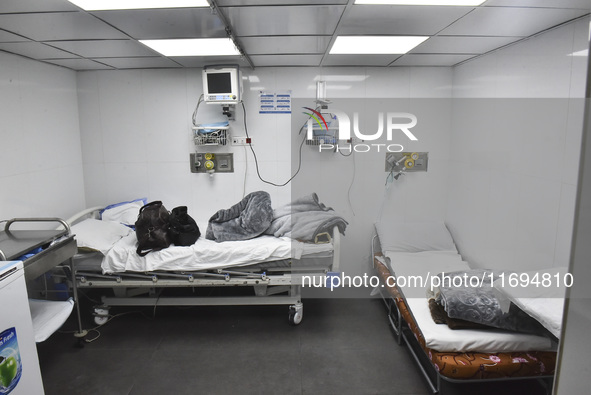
x=295, y=197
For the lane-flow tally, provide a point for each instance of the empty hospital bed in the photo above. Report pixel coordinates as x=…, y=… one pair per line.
x=406, y=257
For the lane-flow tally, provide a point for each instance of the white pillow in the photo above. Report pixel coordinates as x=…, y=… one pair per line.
x=414, y=236
x=99, y=235
x=125, y=212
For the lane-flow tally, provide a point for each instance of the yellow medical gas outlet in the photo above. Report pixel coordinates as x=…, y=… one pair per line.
x=407, y=161
x=212, y=163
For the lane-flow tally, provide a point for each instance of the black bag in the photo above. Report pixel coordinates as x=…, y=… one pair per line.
x=151, y=228
x=183, y=229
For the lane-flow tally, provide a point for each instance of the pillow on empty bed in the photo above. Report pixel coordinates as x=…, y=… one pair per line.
x=414, y=236
x=125, y=212
x=99, y=235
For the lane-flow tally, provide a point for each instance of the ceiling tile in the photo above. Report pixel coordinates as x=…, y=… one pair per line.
x=407, y=20
x=359, y=60
x=231, y=3
x=139, y=62
x=58, y=26
x=285, y=44
x=462, y=44
x=165, y=23
x=8, y=6
x=286, y=60
x=509, y=21
x=200, y=61
x=79, y=64
x=7, y=37
x=284, y=20
x=104, y=48
x=581, y=4
x=430, y=60
x=35, y=50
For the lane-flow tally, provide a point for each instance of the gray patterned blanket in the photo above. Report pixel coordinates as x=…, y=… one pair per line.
x=245, y=220
x=304, y=219
x=470, y=296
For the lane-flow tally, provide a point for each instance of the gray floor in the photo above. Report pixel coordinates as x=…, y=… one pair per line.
x=342, y=346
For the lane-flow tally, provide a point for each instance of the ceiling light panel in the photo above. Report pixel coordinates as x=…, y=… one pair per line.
x=193, y=47
x=361, y=61
x=96, y=5
x=201, y=61
x=375, y=45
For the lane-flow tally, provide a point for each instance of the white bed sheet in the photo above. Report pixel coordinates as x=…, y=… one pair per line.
x=544, y=303
x=206, y=254
x=440, y=337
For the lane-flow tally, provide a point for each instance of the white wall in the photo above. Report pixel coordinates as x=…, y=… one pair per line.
x=136, y=140
x=40, y=159
x=517, y=124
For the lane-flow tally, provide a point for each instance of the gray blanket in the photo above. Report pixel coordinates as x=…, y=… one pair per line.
x=245, y=220
x=470, y=296
x=304, y=219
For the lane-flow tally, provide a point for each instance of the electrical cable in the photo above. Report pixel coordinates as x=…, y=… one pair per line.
x=197, y=109
x=351, y=184
x=256, y=162
x=245, y=172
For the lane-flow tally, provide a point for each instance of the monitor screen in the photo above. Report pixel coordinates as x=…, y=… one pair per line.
x=219, y=82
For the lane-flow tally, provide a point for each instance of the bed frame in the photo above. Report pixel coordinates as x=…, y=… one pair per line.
x=273, y=286
x=457, y=367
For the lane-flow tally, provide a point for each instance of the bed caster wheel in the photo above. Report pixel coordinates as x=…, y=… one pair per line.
x=296, y=313
x=101, y=315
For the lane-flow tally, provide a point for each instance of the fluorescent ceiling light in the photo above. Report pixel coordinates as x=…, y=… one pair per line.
x=583, y=52
x=422, y=2
x=96, y=5
x=377, y=45
x=193, y=47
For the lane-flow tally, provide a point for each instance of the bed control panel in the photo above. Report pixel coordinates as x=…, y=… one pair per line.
x=406, y=161
x=211, y=163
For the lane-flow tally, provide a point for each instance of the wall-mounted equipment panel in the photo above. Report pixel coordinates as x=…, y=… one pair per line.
x=212, y=162
x=407, y=161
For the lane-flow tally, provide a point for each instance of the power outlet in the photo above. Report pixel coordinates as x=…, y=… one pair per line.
x=241, y=140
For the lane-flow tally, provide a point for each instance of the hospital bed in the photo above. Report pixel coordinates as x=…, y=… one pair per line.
x=271, y=267
x=406, y=256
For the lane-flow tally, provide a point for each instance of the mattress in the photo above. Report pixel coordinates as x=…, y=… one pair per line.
x=427, y=264
x=203, y=255
x=543, y=298
x=472, y=364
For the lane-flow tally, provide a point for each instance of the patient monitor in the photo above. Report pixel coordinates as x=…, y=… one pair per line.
x=222, y=84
